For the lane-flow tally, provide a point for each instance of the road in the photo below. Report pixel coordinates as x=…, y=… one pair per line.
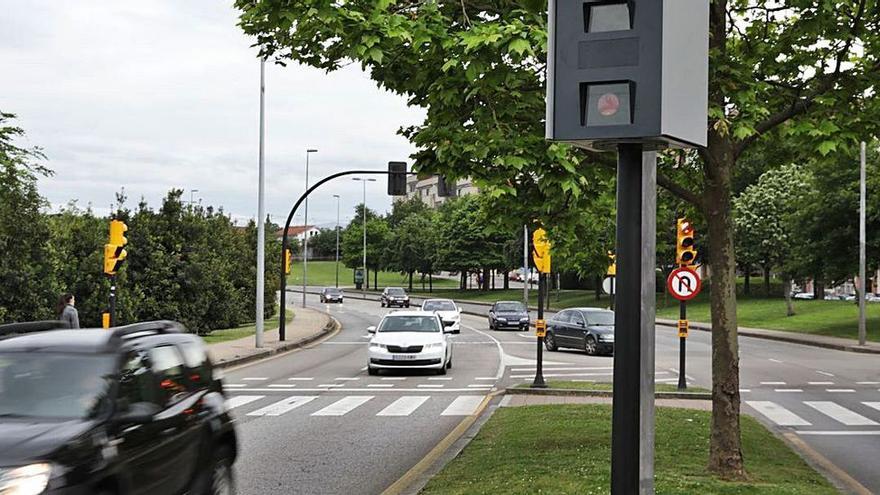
x=314, y=422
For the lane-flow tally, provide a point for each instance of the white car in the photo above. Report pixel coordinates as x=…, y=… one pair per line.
x=447, y=311
x=409, y=340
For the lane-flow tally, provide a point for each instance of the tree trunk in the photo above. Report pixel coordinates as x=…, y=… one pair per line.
x=747, y=286
x=494, y=274
x=767, y=280
x=431, y=282
x=725, y=443
x=506, y=280
x=375, y=279
x=486, y=273
x=423, y=281
x=410, y=280
x=786, y=289
x=818, y=289
x=598, y=288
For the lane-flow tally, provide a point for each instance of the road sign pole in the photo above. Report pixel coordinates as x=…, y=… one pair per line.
x=539, y=370
x=862, y=285
x=632, y=439
x=112, y=300
x=682, y=348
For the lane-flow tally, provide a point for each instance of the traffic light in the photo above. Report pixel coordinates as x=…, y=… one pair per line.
x=612, y=267
x=541, y=251
x=114, y=250
x=287, y=256
x=627, y=71
x=397, y=178
x=685, y=253
x=446, y=187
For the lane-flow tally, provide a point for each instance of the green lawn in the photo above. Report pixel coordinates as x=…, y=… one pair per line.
x=605, y=386
x=244, y=330
x=566, y=449
x=323, y=273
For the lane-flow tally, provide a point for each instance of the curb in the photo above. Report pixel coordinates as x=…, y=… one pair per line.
x=567, y=392
x=331, y=326
x=837, y=476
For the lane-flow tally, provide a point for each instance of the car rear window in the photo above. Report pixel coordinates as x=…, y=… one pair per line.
x=409, y=324
x=605, y=318
x=168, y=368
x=438, y=306
x=197, y=361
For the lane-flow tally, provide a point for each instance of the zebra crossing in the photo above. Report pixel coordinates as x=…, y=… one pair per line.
x=336, y=406
x=821, y=413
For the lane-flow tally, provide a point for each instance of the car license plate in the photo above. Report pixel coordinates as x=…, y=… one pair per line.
x=403, y=357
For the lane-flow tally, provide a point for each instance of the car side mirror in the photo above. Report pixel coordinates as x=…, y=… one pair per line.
x=138, y=413
x=581, y=324
x=447, y=329
x=371, y=329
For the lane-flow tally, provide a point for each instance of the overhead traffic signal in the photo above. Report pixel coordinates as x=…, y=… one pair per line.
x=114, y=250
x=685, y=252
x=397, y=178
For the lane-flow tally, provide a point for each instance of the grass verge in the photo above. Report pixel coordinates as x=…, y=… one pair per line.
x=607, y=387
x=244, y=330
x=323, y=274
x=566, y=449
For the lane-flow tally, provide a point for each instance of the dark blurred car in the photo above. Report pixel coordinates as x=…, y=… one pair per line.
x=129, y=410
x=394, y=296
x=332, y=295
x=508, y=314
x=588, y=329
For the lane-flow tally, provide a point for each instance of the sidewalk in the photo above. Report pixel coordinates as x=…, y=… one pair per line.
x=306, y=327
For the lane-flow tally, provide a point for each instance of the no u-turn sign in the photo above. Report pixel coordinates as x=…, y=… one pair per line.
x=683, y=283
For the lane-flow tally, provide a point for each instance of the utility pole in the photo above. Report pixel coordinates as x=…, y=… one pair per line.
x=366, y=277
x=306, y=231
x=862, y=284
x=526, y=267
x=261, y=221
x=337, y=239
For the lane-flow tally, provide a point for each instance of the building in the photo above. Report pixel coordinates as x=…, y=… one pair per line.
x=296, y=234
x=426, y=189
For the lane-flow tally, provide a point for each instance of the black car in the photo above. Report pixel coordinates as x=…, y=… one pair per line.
x=129, y=410
x=508, y=314
x=394, y=296
x=331, y=294
x=589, y=329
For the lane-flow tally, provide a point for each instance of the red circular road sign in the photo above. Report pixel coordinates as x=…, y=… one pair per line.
x=683, y=283
x=608, y=104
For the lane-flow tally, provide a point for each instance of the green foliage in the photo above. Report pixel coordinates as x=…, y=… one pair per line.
x=378, y=234
x=323, y=244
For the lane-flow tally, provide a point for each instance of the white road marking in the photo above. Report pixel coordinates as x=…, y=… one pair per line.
x=440, y=378
x=744, y=390
x=824, y=373
x=299, y=379
x=775, y=360
x=463, y=405
x=234, y=385
x=867, y=383
x=403, y=406
x=556, y=375
x=485, y=378
x=840, y=414
x=777, y=414
x=772, y=383
x=783, y=390
x=371, y=390
x=331, y=385
x=283, y=406
x=240, y=400
x=395, y=378
x=346, y=379
x=254, y=379
x=820, y=383
x=841, y=433
x=839, y=390
x=875, y=405
x=500, y=372
x=505, y=401
x=282, y=385
x=430, y=386
x=380, y=385
x=343, y=406
x=480, y=386
x=554, y=368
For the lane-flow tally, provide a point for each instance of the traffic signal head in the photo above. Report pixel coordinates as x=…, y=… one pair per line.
x=287, y=261
x=685, y=251
x=445, y=187
x=117, y=232
x=397, y=178
x=628, y=71
x=114, y=250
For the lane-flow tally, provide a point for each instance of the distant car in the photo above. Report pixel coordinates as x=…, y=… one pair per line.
x=134, y=409
x=508, y=314
x=410, y=340
x=394, y=296
x=332, y=294
x=589, y=329
x=833, y=297
x=804, y=295
x=872, y=297
x=448, y=312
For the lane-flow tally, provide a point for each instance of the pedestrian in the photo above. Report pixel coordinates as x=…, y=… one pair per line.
x=66, y=310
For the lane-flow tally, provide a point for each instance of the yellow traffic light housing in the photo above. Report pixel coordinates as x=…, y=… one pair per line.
x=685, y=252
x=287, y=261
x=541, y=251
x=114, y=250
x=612, y=267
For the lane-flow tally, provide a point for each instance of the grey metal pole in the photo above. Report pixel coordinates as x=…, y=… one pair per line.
x=306, y=235
x=632, y=424
x=862, y=234
x=366, y=277
x=337, y=239
x=261, y=213
x=526, y=267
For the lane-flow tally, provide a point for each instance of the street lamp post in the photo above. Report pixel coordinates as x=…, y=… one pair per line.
x=261, y=223
x=366, y=279
x=337, y=239
x=306, y=231
x=191, y=194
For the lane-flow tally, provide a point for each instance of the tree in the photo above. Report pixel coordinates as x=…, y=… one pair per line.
x=777, y=71
x=352, y=240
x=412, y=245
x=324, y=243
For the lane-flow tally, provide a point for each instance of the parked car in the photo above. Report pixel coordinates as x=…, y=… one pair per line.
x=872, y=297
x=589, y=329
x=508, y=314
x=332, y=294
x=134, y=410
x=394, y=296
x=448, y=312
x=410, y=340
x=804, y=295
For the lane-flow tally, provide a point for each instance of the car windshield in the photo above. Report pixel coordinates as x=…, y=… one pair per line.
x=51, y=385
x=438, y=306
x=333, y=292
x=409, y=324
x=510, y=308
x=605, y=318
x=396, y=292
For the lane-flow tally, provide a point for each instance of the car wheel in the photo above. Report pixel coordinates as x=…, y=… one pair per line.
x=407, y=305
x=222, y=478
x=382, y=303
x=442, y=370
x=449, y=364
x=550, y=342
x=590, y=345
x=492, y=326
x=372, y=371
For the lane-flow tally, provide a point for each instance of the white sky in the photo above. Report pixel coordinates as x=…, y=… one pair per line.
x=161, y=94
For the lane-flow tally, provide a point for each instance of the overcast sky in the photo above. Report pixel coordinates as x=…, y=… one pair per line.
x=164, y=94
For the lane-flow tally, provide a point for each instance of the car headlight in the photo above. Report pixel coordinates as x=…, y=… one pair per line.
x=376, y=345
x=26, y=480
x=524, y=319
x=434, y=345
x=606, y=338
x=504, y=320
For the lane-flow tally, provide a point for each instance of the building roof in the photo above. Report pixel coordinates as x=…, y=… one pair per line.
x=295, y=230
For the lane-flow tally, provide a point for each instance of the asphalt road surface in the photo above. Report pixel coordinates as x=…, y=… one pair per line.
x=314, y=422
